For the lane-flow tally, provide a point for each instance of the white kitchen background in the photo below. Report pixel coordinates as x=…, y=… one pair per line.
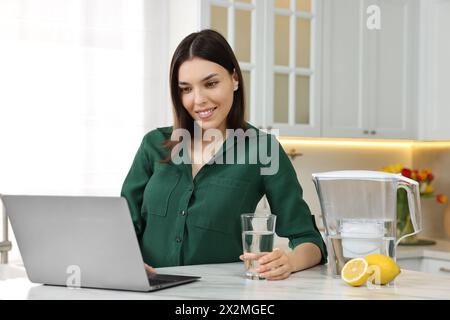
x=83, y=80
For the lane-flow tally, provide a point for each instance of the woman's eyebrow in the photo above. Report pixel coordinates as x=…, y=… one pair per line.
x=204, y=79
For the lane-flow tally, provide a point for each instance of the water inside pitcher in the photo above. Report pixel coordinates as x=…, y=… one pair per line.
x=359, y=212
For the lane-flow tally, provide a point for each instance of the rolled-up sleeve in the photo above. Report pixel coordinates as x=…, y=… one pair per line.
x=134, y=185
x=285, y=197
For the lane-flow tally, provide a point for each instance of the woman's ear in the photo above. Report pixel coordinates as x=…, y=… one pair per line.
x=235, y=80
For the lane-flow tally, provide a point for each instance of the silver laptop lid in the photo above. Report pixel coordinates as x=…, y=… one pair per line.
x=63, y=239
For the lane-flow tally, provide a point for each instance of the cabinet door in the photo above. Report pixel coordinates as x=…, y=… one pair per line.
x=429, y=265
x=370, y=73
x=434, y=70
x=436, y=266
x=345, y=105
x=414, y=264
x=238, y=21
x=292, y=68
x=392, y=72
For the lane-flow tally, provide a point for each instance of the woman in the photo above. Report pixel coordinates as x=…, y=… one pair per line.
x=188, y=212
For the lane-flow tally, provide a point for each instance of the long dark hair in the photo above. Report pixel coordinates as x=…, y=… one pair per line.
x=209, y=45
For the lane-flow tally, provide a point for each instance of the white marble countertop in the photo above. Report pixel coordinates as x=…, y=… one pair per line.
x=225, y=281
x=440, y=250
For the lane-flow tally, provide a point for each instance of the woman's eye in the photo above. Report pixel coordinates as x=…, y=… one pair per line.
x=185, y=90
x=212, y=84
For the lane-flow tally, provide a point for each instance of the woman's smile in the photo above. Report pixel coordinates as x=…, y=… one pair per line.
x=205, y=114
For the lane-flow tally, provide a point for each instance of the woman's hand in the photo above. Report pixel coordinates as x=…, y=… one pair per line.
x=149, y=269
x=275, y=265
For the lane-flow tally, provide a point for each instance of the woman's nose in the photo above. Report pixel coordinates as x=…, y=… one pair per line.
x=199, y=97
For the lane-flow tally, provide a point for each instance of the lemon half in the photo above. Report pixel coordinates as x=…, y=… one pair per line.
x=355, y=272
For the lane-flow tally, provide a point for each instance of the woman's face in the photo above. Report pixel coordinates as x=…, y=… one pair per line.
x=206, y=90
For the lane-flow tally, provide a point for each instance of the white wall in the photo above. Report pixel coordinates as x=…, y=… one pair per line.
x=436, y=158
x=330, y=156
x=326, y=157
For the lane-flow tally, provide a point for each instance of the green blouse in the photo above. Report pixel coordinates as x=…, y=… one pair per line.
x=182, y=221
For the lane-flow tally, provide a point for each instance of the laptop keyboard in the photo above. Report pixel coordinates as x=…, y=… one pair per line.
x=157, y=279
x=157, y=282
x=167, y=280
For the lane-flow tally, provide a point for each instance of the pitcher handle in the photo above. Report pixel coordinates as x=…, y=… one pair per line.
x=412, y=191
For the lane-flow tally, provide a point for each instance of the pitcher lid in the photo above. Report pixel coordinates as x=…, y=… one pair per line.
x=357, y=175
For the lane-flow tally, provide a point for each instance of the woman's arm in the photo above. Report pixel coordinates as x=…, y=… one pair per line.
x=304, y=256
x=134, y=185
x=294, y=221
x=279, y=264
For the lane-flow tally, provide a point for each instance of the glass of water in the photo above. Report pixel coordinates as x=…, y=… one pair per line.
x=258, y=230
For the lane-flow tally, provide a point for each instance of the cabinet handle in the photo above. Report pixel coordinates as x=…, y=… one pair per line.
x=442, y=269
x=366, y=131
x=373, y=132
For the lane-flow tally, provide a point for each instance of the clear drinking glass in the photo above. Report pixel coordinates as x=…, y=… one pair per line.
x=258, y=231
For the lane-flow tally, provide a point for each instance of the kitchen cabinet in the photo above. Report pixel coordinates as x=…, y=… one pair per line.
x=317, y=70
x=369, y=88
x=432, y=259
x=436, y=266
x=430, y=265
x=293, y=67
x=238, y=22
x=434, y=70
x=313, y=68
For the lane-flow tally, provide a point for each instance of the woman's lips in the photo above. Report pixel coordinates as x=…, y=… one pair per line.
x=206, y=114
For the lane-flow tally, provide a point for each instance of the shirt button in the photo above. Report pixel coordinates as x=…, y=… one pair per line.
x=178, y=240
x=183, y=213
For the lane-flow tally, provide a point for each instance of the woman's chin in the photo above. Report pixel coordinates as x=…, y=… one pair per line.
x=206, y=125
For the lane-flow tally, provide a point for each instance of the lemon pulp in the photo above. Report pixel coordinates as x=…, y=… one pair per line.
x=355, y=272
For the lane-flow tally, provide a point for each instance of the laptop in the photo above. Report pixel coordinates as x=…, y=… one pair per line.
x=82, y=241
